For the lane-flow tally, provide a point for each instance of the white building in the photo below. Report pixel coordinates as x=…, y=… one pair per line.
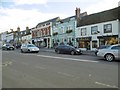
x=3, y=37
x=27, y=38
x=98, y=29
x=10, y=37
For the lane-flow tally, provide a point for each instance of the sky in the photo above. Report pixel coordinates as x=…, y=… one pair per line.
x=22, y=13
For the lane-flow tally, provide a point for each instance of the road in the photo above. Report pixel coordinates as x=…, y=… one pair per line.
x=51, y=70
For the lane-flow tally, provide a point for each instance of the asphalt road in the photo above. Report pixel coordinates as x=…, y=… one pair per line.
x=51, y=70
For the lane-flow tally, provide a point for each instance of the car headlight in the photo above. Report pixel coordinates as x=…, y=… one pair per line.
x=77, y=50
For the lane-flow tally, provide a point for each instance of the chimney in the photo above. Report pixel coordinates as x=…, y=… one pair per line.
x=11, y=30
x=77, y=14
x=27, y=28
x=18, y=29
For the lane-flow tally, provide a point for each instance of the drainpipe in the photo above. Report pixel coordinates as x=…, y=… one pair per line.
x=118, y=31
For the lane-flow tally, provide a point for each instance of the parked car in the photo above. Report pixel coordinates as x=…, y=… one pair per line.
x=29, y=48
x=110, y=53
x=67, y=49
x=8, y=47
x=101, y=47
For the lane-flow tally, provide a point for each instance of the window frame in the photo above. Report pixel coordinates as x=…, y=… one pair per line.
x=93, y=31
x=106, y=29
x=85, y=31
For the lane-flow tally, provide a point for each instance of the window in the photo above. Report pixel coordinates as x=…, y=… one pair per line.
x=94, y=30
x=94, y=44
x=116, y=47
x=83, y=31
x=108, y=28
x=62, y=28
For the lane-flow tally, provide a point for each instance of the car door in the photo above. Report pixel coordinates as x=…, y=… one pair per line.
x=67, y=49
x=115, y=50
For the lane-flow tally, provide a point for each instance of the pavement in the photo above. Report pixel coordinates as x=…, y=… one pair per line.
x=88, y=52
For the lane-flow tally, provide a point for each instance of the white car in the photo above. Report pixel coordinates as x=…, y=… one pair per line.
x=110, y=53
x=29, y=48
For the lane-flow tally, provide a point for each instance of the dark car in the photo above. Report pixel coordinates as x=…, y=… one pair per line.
x=8, y=47
x=101, y=47
x=67, y=49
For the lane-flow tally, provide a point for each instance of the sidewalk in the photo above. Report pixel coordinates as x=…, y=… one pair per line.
x=88, y=52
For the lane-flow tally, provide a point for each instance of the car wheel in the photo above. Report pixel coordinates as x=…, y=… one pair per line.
x=109, y=57
x=58, y=51
x=72, y=53
x=21, y=51
x=37, y=51
x=28, y=50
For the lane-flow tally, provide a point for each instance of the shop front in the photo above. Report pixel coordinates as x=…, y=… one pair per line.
x=84, y=43
x=108, y=40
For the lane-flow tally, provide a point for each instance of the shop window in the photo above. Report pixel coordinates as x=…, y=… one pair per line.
x=108, y=28
x=94, y=44
x=82, y=44
x=94, y=30
x=83, y=31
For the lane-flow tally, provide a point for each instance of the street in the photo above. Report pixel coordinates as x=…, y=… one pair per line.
x=51, y=70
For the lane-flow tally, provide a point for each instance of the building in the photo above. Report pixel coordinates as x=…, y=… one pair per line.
x=3, y=37
x=64, y=29
x=41, y=34
x=98, y=29
x=10, y=37
x=26, y=36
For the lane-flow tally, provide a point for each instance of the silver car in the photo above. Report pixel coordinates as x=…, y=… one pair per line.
x=29, y=48
x=110, y=53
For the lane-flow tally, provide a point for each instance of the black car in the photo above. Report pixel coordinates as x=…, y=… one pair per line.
x=101, y=47
x=67, y=49
x=8, y=47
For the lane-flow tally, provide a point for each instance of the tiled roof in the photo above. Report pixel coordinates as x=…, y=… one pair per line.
x=68, y=18
x=108, y=15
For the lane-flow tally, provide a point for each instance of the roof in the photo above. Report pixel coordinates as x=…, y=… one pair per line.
x=68, y=18
x=50, y=20
x=108, y=15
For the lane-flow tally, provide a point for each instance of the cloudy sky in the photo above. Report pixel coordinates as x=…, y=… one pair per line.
x=22, y=13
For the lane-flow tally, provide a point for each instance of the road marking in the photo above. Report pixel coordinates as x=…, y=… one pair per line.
x=6, y=63
x=65, y=74
x=39, y=67
x=107, y=85
x=67, y=58
x=74, y=59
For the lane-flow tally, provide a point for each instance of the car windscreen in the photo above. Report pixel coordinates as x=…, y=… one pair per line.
x=31, y=46
x=102, y=47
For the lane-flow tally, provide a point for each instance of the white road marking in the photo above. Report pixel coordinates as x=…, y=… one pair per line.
x=39, y=67
x=65, y=74
x=107, y=85
x=74, y=59
x=67, y=58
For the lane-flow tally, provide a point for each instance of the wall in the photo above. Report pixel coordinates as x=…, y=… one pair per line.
x=10, y=37
x=115, y=28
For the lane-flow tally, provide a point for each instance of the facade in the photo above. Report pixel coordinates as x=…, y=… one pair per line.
x=3, y=37
x=41, y=34
x=64, y=29
x=10, y=38
x=26, y=36
x=98, y=29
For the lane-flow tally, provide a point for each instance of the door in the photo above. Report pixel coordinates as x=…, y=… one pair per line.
x=116, y=51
